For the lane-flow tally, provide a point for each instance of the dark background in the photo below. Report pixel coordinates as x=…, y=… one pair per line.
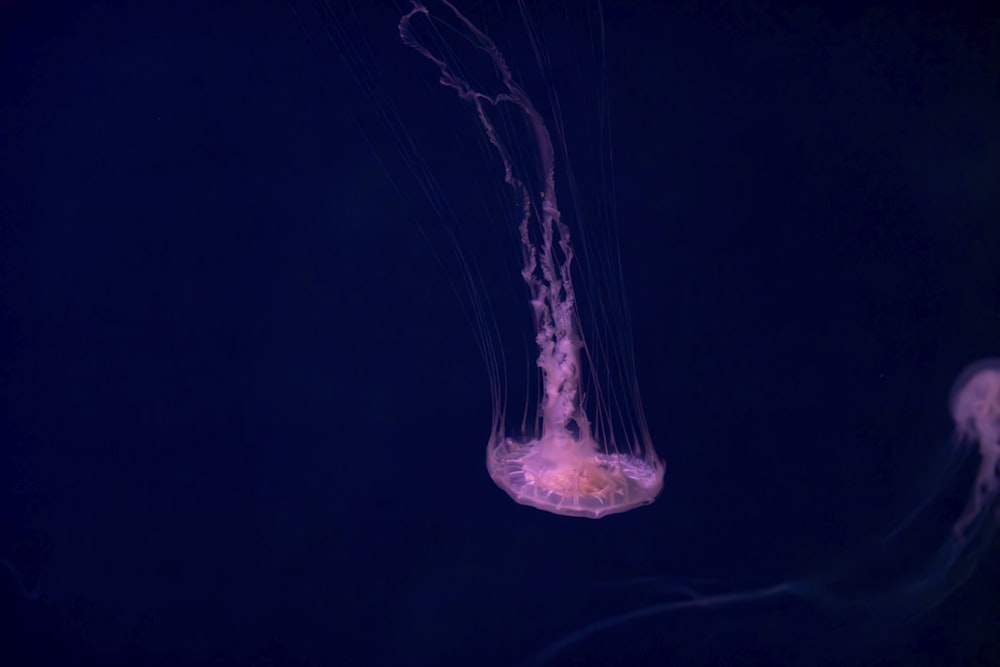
x=244, y=416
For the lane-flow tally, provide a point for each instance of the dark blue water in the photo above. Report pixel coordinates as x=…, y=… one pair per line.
x=245, y=418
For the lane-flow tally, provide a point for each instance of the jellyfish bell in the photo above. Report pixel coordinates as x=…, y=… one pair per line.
x=572, y=477
x=975, y=401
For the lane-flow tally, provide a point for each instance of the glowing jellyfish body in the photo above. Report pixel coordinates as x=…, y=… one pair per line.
x=975, y=407
x=562, y=467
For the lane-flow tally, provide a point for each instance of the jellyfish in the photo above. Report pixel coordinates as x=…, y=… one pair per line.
x=564, y=463
x=975, y=408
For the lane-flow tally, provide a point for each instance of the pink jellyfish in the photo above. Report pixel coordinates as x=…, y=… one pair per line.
x=565, y=464
x=975, y=407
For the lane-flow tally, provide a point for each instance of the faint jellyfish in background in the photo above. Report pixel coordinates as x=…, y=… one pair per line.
x=562, y=463
x=975, y=407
